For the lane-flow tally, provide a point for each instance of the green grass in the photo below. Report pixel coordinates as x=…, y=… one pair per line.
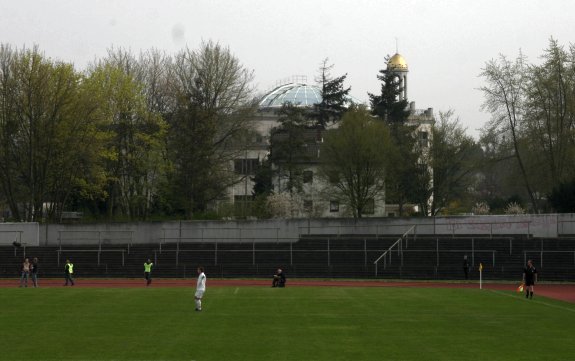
x=303, y=323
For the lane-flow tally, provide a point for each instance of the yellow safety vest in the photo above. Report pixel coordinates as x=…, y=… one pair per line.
x=70, y=268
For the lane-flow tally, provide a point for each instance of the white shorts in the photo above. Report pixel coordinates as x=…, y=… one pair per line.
x=199, y=294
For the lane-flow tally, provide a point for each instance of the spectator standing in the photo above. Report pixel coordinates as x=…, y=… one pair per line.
x=25, y=273
x=465, y=267
x=34, y=271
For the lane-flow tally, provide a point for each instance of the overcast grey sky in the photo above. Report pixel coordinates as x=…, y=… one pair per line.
x=445, y=43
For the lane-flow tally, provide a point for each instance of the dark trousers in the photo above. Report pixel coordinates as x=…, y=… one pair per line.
x=69, y=278
x=278, y=282
x=148, y=277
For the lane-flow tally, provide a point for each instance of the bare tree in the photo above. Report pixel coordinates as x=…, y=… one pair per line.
x=550, y=118
x=454, y=159
x=505, y=99
x=213, y=106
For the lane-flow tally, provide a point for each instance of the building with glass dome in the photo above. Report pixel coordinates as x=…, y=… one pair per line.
x=299, y=93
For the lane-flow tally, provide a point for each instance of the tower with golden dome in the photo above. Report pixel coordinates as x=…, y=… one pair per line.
x=398, y=65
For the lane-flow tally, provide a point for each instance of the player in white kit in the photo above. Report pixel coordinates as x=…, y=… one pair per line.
x=200, y=288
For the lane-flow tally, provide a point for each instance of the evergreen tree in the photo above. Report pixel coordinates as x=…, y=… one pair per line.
x=288, y=146
x=387, y=105
x=402, y=178
x=262, y=179
x=334, y=96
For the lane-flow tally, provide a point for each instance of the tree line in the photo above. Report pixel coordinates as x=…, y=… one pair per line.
x=523, y=161
x=129, y=137
x=134, y=137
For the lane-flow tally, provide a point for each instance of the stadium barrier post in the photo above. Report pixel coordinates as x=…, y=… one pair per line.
x=99, y=245
x=177, y=252
x=365, y=252
x=291, y=253
x=493, y=259
x=473, y=251
x=328, y=255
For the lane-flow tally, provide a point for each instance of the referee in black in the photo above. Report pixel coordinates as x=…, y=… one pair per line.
x=529, y=278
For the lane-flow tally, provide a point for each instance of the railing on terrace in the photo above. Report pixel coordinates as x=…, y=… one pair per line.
x=234, y=233
x=399, y=245
x=529, y=254
x=97, y=251
x=339, y=230
x=218, y=253
x=425, y=228
x=97, y=237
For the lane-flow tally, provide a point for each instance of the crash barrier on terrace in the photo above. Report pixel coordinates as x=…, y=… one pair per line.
x=350, y=256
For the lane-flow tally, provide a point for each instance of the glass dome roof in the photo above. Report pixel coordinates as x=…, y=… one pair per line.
x=295, y=93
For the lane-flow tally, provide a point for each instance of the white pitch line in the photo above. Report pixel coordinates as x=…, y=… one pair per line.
x=236, y=290
x=535, y=301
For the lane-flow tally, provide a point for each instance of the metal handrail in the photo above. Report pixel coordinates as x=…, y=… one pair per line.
x=400, y=249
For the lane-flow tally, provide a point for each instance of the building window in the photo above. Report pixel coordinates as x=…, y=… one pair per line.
x=308, y=176
x=424, y=139
x=246, y=166
x=369, y=207
x=308, y=205
x=334, y=206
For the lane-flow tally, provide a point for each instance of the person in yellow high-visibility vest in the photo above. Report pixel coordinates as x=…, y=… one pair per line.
x=68, y=272
x=148, y=271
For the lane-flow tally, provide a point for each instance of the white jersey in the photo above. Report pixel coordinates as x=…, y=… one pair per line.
x=201, y=286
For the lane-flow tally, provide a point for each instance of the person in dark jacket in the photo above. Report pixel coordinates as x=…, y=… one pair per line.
x=465, y=267
x=34, y=271
x=529, y=278
x=279, y=279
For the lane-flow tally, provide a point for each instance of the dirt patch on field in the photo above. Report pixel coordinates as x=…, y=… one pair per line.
x=564, y=292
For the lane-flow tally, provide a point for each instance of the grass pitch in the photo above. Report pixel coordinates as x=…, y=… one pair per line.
x=305, y=323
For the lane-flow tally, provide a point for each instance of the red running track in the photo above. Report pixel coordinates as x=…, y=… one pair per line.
x=563, y=292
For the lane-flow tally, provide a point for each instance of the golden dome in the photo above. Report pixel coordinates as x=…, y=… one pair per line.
x=397, y=62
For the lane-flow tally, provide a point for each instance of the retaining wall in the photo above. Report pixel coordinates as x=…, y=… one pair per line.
x=281, y=230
